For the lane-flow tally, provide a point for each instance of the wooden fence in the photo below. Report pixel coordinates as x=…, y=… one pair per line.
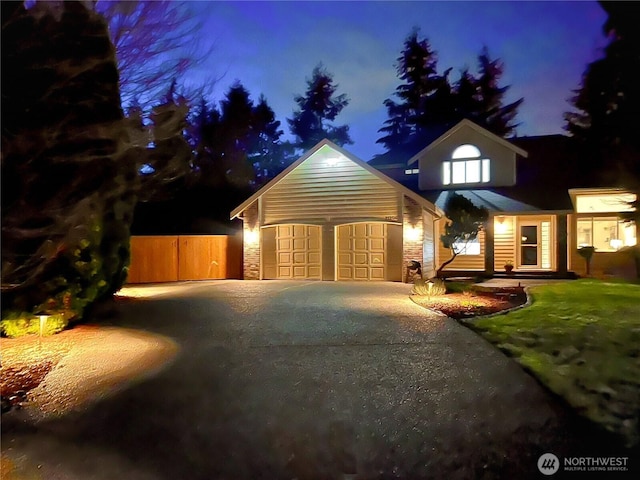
x=172, y=258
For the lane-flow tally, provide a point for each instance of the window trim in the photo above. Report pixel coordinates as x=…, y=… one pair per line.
x=482, y=169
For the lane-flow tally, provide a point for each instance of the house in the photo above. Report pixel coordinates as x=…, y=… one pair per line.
x=331, y=216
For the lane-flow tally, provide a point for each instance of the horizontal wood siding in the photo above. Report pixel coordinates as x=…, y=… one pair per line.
x=175, y=258
x=153, y=259
x=318, y=192
x=462, y=262
x=504, y=242
x=428, y=247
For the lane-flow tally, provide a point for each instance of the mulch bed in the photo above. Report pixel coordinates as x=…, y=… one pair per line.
x=481, y=301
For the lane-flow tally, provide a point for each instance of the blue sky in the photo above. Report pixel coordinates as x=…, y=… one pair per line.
x=272, y=48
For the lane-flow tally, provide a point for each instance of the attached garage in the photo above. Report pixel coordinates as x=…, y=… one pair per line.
x=366, y=251
x=330, y=216
x=292, y=252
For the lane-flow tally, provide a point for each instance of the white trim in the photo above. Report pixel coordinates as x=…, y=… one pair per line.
x=477, y=128
x=398, y=186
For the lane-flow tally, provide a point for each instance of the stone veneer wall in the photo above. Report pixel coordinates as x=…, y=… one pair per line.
x=412, y=234
x=251, y=249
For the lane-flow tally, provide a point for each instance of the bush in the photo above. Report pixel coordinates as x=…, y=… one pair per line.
x=26, y=324
x=429, y=288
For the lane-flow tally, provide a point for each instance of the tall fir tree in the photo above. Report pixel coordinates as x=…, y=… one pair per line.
x=604, y=121
x=316, y=109
x=416, y=67
x=426, y=103
x=491, y=112
x=239, y=145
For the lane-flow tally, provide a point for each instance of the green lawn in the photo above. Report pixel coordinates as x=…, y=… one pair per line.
x=582, y=340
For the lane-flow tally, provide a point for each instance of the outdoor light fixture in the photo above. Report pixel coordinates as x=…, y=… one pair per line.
x=43, y=322
x=251, y=236
x=412, y=234
x=332, y=161
x=500, y=225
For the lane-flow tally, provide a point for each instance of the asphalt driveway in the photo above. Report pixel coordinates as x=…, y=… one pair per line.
x=305, y=380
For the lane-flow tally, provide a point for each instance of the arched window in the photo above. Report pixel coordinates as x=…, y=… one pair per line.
x=466, y=166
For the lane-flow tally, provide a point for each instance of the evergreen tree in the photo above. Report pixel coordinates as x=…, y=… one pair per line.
x=427, y=103
x=417, y=68
x=604, y=122
x=268, y=154
x=168, y=158
x=491, y=113
x=317, y=107
x=239, y=145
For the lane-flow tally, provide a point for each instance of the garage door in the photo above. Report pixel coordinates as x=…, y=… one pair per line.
x=292, y=252
x=361, y=250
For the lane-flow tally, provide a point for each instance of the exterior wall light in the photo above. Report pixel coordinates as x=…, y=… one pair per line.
x=251, y=236
x=500, y=226
x=412, y=234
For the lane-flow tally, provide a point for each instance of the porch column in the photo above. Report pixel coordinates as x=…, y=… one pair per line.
x=489, y=247
x=561, y=244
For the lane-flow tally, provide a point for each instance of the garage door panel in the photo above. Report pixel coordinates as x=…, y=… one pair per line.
x=284, y=244
x=376, y=229
x=361, y=273
x=314, y=243
x=377, y=273
x=361, y=258
x=344, y=243
x=360, y=244
x=345, y=258
x=315, y=272
x=300, y=243
x=284, y=272
x=300, y=271
x=377, y=258
x=360, y=230
x=300, y=258
x=376, y=244
x=285, y=230
x=284, y=257
x=314, y=257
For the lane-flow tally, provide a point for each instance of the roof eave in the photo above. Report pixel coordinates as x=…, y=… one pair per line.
x=478, y=129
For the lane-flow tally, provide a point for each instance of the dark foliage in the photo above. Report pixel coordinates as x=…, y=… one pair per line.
x=464, y=222
x=67, y=171
x=427, y=101
x=316, y=109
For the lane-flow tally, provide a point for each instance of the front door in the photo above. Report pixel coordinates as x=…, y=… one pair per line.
x=529, y=246
x=535, y=243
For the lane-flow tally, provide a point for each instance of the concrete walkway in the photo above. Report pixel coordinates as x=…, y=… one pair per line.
x=302, y=380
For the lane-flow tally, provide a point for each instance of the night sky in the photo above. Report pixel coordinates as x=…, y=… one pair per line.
x=272, y=47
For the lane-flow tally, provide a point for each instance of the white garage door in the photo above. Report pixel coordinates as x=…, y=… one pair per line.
x=292, y=252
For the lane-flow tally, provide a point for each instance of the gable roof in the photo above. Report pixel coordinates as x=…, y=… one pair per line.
x=462, y=124
x=399, y=187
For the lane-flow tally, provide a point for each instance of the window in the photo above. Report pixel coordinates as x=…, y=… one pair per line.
x=411, y=171
x=605, y=203
x=471, y=247
x=466, y=166
x=606, y=234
